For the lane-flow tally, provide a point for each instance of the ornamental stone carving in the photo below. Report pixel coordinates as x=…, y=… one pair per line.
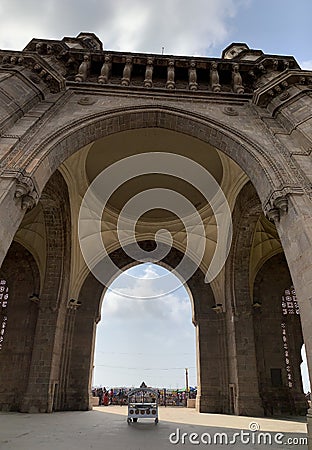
x=148, y=80
x=49, y=50
x=126, y=76
x=286, y=64
x=214, y=78
x=238, y=87
x=276, y=207
x=26, y=191
x=106, y=70
x=275, y=64
x=40, y=48
x=73, y=304
x=170, y=84
x=192, y=76
x=83, y=70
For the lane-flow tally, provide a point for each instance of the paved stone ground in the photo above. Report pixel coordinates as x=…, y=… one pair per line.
x=106, y=428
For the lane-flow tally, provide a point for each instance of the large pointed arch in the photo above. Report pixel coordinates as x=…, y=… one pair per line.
x=267, y=170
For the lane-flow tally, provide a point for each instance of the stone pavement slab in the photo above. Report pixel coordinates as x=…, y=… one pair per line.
x=106, y=428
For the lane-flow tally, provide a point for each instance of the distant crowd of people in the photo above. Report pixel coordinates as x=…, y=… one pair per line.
x=119, y=396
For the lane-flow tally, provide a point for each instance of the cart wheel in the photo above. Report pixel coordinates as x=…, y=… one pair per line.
x=135, y=419
x=129, y=420
x=156, y=421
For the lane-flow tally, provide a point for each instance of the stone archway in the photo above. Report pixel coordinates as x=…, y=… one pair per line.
x=21, y=274
x=265, y=129
x=211, y=352
x=41, y=392
x=278, y=340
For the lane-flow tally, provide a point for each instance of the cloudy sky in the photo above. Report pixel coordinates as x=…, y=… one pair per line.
x=154, y=340
x=197, y=27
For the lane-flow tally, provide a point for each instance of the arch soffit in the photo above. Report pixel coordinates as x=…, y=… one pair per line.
x=84, y=272
x=125, y=267
x=56, y=147
x=124, y=264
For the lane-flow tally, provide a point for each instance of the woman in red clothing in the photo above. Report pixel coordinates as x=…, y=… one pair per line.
x=106, y=399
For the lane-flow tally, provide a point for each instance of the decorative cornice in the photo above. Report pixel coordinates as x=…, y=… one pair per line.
x=34, y=67
x=278, y=88
x=83, y=60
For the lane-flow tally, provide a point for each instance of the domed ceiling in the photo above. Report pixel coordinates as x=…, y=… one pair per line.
x=113, y=148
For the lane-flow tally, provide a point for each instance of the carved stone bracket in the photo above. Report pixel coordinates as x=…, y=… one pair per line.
x=218, y=308
x=126, y=76
x=193, y=86
x=237, y=80
x=170, y=75
x=84, y=69
x=148, y=80
x=73, y=304
x=106, y=70
x=214, y=78
x=277, y=204
x=26, y=191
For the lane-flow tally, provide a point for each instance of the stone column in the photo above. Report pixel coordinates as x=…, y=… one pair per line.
x=62, y=400
x=81, y=361
x=295, y=230
x=210, y=362
x=243, y=362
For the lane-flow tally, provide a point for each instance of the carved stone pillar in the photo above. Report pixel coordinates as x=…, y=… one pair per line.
x=193, y=86
x=170, y=75
x=148, y=81
x=126, y=76
x=106, y=70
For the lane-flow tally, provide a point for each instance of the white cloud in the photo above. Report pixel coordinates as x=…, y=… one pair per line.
x=172, y=307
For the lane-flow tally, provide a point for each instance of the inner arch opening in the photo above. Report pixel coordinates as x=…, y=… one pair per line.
x=150, y=340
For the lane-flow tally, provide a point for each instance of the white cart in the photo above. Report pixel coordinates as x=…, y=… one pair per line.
x=143, y=404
